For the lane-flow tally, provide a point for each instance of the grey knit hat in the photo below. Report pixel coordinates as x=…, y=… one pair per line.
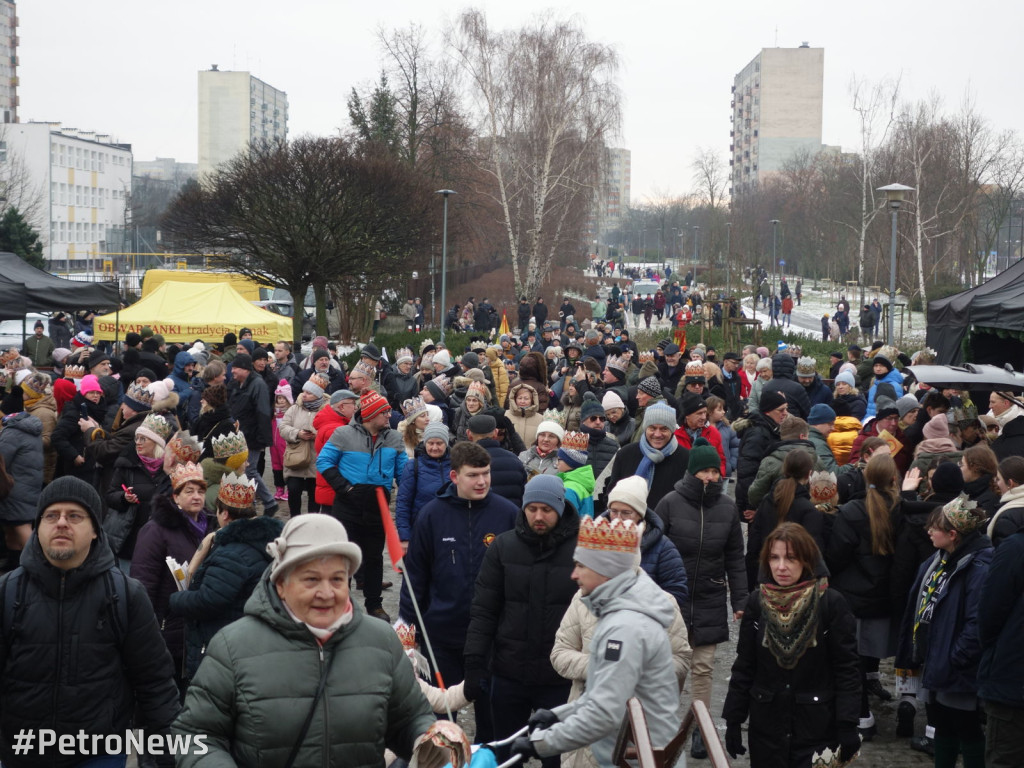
x=662, y=414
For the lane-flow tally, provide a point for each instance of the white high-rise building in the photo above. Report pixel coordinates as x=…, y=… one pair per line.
x=8, y=62
x=776, y=112
x=236, y=109
x=71, y=185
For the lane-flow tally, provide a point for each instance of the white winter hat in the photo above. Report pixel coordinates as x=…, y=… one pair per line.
x=553, y=427
x=612, y=400
x=632, y=491
x=443, y=358
x=307, y=537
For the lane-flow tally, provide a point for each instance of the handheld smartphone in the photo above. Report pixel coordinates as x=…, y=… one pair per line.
x=83, y=411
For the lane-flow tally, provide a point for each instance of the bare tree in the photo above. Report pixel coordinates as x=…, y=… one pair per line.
x=547, y=104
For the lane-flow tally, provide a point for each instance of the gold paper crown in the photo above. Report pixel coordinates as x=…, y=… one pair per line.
x=602, y=536
x=414, y=405
x=320, y=380
x=647, y=356
x=404, y=352
x=694, y=368
x=185, y=447
x=576, y=441
x=367, y=370
x=236, y=491
x=158, y=425
x=444, y=383
x=407, y=634
x=426, y=343
x=228, y=445
x=187, y=473
x=427, y=361
x=823, y=487
x=618, y=362
x=960, y=513
x=74, y=372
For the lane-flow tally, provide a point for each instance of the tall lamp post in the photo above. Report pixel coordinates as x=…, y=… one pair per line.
x=728, y=265
x=775, y=257
x=894, y=194
x=696, y=241
x=444, y=260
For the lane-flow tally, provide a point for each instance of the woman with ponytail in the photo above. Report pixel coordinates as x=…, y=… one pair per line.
x=860, y=558
x=789, y=502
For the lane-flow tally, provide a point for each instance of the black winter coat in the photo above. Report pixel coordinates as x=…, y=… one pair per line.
x=801, y=511
x=1011, y=440
x=216, y=422
x=913, y=546
x=756, y=441
x=628, y=459
x=862, y=577
x=250, y=406
x=66, y=668
x=125, y=517
x=980, y=490
x=704, y=526
x=508, y=475
x=1001, y=626
x=522, y=591
x=784, y=380
x=167, y=534
x=794, y=713
x=21, y=446
x=67, y=438
x=602, y=448
x=226, y=578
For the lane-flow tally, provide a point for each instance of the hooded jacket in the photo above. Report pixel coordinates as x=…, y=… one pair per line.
x=842, y=437
x=422, y=479
x=817, y=392
x=535, y=464
x=21, y=446
x=702, y=522
x=181, y=384
x=45, y=409
x=770, y=469
x=226, y=578
x=533, y=370
x=632, y=656
x=447, y=549
x=524, y=587
x=893, y=377
x=579, y=489
x=252, y=710
x=66, y=667
x=249, y=403
x=784, y=380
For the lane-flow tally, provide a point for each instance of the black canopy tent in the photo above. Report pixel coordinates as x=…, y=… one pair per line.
x=995, y=306
x=39, y=291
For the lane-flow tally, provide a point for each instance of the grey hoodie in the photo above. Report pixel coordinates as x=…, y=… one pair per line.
x=630, y=655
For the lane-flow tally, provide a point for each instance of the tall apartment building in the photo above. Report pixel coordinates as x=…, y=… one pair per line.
x=8, y=61
x=612, y=197
x=235, y=110
x=72, y=185
x=776, y=112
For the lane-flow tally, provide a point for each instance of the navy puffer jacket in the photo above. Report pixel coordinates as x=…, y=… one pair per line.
x=421, y=480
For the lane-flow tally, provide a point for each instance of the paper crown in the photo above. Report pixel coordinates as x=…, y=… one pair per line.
x=823, y=487
x=618, y=362
x=140, y=395
x=187, y=473
x=602, y=536
x=367, y=370
x=961, y=513
x=407, y=634
x=694, y=368
x=576, y=441
x=443, y=383
x=74, y=371
x=403, y=354
x=480, y=389
x=925, y=356
x=413, y=407
x=9, y=355
x=427, y=361
x=228, y=445
x=806, y=366
x=158, y=425
x=320, y=380
x=426, y=343
x=647, y=356
x=236, y=491
x=185, y=447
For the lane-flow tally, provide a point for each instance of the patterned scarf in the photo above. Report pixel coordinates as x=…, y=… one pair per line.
x=314, y=405
x=930, y=587
x=653, y=456
x=791, y=619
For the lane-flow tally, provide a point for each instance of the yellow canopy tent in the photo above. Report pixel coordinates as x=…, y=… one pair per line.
x=189, y=311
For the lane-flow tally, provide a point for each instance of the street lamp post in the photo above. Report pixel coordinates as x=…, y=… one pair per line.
x=728, y=266
x=444, y=260
x=696, y=240
x=894, y=194
x=775, y=257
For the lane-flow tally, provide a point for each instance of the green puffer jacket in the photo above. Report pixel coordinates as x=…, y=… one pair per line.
x=256, y=684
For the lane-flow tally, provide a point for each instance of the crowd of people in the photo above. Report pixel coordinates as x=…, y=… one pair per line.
x=581, y=521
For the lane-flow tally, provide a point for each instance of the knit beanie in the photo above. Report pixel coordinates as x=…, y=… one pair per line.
x=138, y=398
x=661, y=414
x=612, y=400
x=886, y=406
x=948, y=479
x=821, y=414
x=552, y=428
x=435, y=430
x=573, y=450
x=545, y=489
x=608, y=548
x=650, y=386
x=259, y=352
x=771, y=400
x=312, y=388
x=443, y=358
x=470, y=360
x=937, y=426
x=73, y=489
x=703, y=456
x=284, y=389
x=370, y=405
x=883, y=360
x=632, y=491
x=591, y=407
x=438, y=388
x=249, y=345
x=242, y=361
x=847, y=378
x=90, y=384
x=906, y=404
x=691, y=402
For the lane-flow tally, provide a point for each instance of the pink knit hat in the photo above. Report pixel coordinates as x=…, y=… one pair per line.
x=284, y=389
x=937, y=426
x=90, y=384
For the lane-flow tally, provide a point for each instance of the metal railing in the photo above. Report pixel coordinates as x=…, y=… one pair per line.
x=633, y=749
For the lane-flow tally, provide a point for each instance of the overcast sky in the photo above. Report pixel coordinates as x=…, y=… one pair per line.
x=129, y=67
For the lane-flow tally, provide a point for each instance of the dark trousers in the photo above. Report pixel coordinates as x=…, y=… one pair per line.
x=451, y=663
x=513, y=701
x=296, y=487
x=370, y=539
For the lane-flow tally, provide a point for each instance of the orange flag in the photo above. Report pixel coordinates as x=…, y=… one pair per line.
x=504, y=323
x=390, y=532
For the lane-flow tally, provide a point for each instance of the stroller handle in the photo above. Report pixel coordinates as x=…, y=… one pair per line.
x=521, y=732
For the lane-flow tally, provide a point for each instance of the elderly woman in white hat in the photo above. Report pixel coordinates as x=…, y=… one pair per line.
x=305, y=677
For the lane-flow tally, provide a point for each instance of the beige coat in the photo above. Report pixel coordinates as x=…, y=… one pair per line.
x=570, y=656
x=296, y=419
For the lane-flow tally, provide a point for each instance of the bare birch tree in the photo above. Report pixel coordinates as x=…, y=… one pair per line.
x=546, y=102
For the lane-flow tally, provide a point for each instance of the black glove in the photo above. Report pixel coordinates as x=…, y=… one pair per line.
x=734, y=740
x=849, y=743
x=524, y=747
x=541, y=720
x=475, y=674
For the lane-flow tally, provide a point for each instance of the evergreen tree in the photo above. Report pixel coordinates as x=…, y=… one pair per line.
x=17, y=236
